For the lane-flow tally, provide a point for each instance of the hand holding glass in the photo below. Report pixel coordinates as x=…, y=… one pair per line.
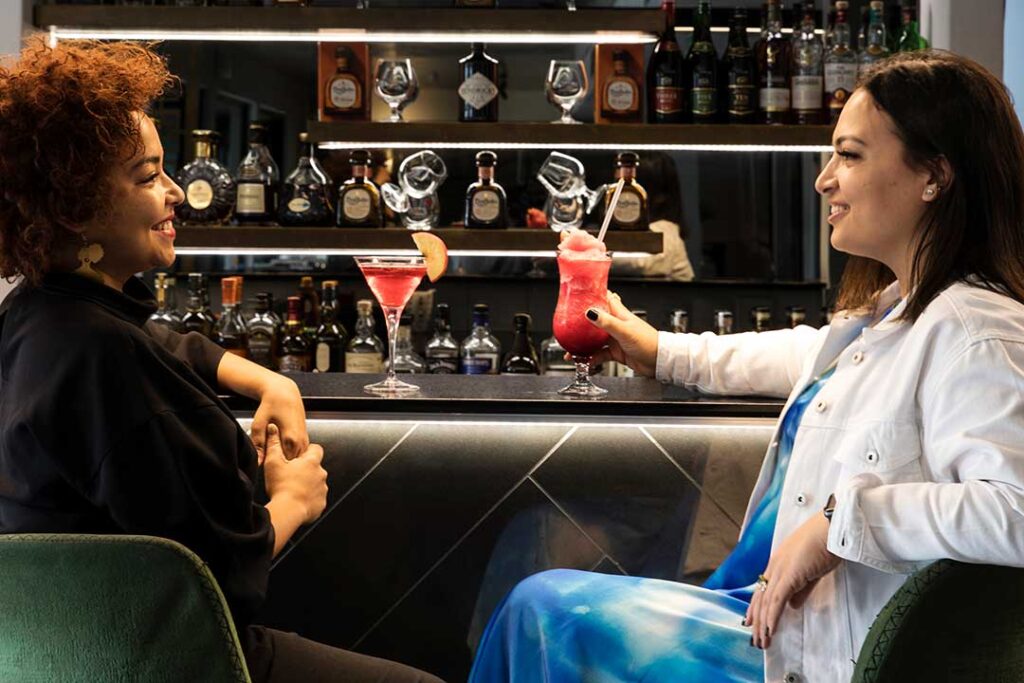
x=583, y=284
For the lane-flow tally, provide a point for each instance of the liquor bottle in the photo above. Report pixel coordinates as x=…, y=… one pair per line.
x=305, y=194
x=478, y=89
x=257, y=180
x=807, y=86
x=406, y=359
x=910, y=36
x=862, y=29
x=552, y=358
x=343, y=93
x=230, y=332
x=209, y=189
x=702, y=64
x=521, y=359
x=741, y=72
x=666, y=74
x=485, y=199
x=620, y=94
x=631, y=211
x=723, y=322
x=773, y=61
x=264, y=333
x=164, y=315
x=359, y=204
x=679, y=321
x=204, y=291
x=840, y=65
x=364, y=353
x=795, y=315
x=442, y=351
x=876, y=49
x=310, y=307
x=295, y=348
x=481, y=350
x=761, y=318
x=331, y=336
x=196, y=318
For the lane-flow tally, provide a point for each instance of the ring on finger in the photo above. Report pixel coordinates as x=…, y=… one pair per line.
x=762, y=583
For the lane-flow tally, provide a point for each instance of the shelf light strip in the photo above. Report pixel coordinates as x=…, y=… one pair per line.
x=608, y=146
x=58, y=33
x=315, y=251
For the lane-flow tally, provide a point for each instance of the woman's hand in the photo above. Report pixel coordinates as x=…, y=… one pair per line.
x=793, y=571
x=632, y=342
x=280, y=404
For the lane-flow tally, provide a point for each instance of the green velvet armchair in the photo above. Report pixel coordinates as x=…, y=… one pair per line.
x=77, y=608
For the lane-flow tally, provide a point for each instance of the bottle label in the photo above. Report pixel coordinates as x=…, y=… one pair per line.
x=774, y=99
x=251, y=199
x=293, y=363
x=442, y=365
x=261, y=350
x=480, y=364
x=628, y=208
x=704, y=101
x=364, y=363
x=741, y=97
x=486, y=206
x=807, y=93
x=344, y=93
x=199, y=194
x=668, y=100
x=323, y=358
x=299, y=205
x=478, y=91
x=619, y=96
x=840, y=81
x=356, y=204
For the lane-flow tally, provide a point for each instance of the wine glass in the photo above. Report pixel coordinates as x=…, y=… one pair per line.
x=565, y=180
x=583, y=284
x=415, y=197
x=396, y=85
x=567, y=83
x=392, y=279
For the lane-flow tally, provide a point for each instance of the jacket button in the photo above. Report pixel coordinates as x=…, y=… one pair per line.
x=801, y=499
x=820, y=406
x=872, y=457
x=792, y=678
x=857, y=357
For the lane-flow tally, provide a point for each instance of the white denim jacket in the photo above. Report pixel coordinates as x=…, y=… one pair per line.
x=919, y=433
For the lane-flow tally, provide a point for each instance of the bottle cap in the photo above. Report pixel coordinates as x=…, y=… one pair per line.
x=442, y=309
x=263, y=301
x=486, y=159
x=202, y=133
x=627, y=159
x=521, y=320
x=329, y=284
x=359, y=157
x=481, y=308
x=305, y=281
x=257, y=132
x=620, y=56
x=364, y=305
x=303, y=137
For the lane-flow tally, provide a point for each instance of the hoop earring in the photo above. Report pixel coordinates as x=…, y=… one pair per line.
x=89, y=254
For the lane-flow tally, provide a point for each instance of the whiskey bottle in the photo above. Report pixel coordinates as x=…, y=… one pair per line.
x=702, y=63
x=481, y=351
x=631, y=211
x=620, y=95
x=164, y=316
x=485, y=199
x=329, y=352
x=310, y=307
x=840, y=65
x=666, y=74
x=305, y=195
x=406, y=359
x=522, y=357
x=359, y=204
x=773, y=60
x=876, y=48
x=365, y=351
x=910, y=37
x=264, y=333
x=741, y=72
x=442, y=351
x=552, y=358
x=257, y=181
x=478, y=89
x=344, y=90
x=807, y=88
x=295, y=354
x=196, y=318
x=209, y=189
x=230, y=332
x=761, y=318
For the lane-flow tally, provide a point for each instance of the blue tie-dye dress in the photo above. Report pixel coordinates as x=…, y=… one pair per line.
x=564, y=626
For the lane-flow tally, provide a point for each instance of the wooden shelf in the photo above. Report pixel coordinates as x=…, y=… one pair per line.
x=319, y=240
x=379, y=20
x=553, y=135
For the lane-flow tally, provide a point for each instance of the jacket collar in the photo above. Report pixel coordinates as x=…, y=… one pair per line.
x=134, y=304
x=846, y=326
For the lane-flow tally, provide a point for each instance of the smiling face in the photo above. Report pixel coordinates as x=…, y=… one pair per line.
x=876, y=199
x=138, y=234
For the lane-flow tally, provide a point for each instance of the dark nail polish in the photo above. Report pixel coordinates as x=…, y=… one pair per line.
x=766, y=633
x=592, y=315
x=744, y=622
x=751, y=641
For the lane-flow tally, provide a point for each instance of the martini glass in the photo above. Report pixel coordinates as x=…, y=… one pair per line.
x=583, y=284
x=392, y=279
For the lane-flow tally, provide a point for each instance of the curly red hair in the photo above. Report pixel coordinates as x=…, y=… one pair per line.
x=67, y=116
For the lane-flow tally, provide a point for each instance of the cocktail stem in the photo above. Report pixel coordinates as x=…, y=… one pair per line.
x=392, y=316
x=582, y=369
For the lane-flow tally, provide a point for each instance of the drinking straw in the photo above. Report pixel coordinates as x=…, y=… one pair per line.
x=611, y=210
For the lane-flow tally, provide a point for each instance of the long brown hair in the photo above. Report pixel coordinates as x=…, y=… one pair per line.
x=948, y=106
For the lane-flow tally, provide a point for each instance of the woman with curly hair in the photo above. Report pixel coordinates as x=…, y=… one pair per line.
x=109, y=424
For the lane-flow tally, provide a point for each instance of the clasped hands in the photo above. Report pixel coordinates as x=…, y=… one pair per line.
x=280, y=404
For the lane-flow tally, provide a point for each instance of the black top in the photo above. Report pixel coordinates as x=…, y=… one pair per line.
x=108, y=425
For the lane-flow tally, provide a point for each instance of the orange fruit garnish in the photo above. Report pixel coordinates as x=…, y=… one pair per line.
x=434, y=251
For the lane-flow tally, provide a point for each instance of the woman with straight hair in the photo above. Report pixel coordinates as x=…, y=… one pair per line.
x=902, y=439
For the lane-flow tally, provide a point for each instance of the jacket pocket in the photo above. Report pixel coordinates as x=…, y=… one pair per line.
x=892, y=450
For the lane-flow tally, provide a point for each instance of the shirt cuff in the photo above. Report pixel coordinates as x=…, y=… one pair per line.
x=673, y=364
x=849, y=534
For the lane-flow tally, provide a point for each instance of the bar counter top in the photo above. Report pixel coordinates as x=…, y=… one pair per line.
x=515, y=395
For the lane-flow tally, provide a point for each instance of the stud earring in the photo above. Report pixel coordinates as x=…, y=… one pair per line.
x=89, y=254
x=930, y=191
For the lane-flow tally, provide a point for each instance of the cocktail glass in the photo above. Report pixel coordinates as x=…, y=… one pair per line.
x=583, y=284
x=392, y=279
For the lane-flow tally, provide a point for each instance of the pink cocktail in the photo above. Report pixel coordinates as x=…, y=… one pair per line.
x=583, y=284
x=392, y=279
